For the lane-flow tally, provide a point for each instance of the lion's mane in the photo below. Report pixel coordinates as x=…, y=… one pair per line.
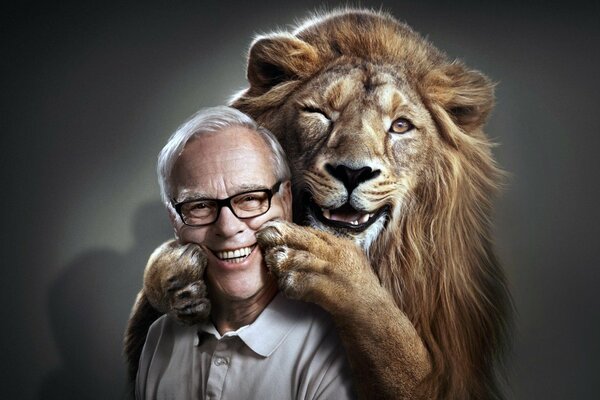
x=437, y=259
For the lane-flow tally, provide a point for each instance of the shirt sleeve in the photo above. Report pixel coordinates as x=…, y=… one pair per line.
x=146, y=358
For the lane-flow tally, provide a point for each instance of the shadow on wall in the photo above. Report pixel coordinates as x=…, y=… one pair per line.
x=89, y=304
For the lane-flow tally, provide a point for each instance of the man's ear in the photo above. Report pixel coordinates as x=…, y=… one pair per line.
x=458, y=98
x=278, y=58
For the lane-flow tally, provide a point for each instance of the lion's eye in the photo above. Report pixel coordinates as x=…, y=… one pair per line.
x=314, y=110
x=401, y=125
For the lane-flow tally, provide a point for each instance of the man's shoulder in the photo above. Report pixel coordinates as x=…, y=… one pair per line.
x=168, y=326
x=309, y=322
x=314, y=348
x=301, y=313
x=314, y=313
x=161, y=323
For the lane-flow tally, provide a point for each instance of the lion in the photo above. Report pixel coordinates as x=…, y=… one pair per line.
x=393, y=179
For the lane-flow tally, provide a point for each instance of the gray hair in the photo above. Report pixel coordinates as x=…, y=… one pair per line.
x=213, y=120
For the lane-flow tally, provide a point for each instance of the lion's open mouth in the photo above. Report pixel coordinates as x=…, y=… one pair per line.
x=346, y=217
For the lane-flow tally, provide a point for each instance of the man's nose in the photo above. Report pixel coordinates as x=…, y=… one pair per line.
x=228, y=224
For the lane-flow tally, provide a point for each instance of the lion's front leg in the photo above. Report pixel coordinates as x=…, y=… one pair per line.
x=173, y=283
x=387, y=356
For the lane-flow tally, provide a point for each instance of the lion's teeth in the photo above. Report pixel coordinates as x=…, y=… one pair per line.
x=352, y=218
x=364, y=218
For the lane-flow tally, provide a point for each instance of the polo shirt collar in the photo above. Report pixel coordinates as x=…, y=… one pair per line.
x=270, y=329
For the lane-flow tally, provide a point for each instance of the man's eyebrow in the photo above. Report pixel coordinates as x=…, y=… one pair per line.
x=250, y=186
x=186, y=195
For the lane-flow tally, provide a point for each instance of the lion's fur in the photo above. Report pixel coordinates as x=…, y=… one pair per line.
x=436, y=256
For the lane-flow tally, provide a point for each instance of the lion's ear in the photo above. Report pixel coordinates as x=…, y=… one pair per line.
x=279, y=58
x=466, y=96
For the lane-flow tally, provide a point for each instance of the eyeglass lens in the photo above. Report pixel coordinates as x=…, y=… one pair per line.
x=245, y=205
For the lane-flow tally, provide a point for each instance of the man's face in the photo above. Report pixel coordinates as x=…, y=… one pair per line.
x=218, y=166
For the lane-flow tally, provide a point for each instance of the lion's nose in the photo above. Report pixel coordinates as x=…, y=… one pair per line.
x=350, y=177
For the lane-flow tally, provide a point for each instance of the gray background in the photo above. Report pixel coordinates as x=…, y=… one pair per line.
x=90, y=93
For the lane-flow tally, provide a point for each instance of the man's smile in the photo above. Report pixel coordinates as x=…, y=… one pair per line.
x=234, y=255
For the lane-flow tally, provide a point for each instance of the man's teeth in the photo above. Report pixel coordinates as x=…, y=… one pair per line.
x=353, y=219
x=236, y=255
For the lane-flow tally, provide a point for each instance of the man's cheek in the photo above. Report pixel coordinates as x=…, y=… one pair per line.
x=256, y=223
x=190, y=235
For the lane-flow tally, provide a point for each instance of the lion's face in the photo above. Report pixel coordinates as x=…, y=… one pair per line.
x=359, y=138
x=377, y=125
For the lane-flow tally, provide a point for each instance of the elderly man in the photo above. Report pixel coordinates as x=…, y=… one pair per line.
x=222, y=178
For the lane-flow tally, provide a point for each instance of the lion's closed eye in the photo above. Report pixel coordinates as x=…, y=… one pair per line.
x=317, y=111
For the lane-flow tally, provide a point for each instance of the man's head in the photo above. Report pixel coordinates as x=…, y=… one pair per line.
x=220, y=154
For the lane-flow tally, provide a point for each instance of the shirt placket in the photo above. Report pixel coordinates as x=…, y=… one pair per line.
x=219, y=366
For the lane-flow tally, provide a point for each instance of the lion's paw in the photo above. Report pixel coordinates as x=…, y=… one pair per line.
x=313, y=265
x=272, y=234
x=173, y=281
x=189, y=303
x=296, y=271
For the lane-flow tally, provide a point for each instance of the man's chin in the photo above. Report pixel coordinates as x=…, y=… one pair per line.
x=242, y=282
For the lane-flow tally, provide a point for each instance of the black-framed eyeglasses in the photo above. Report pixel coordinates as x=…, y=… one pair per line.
x=202, y=212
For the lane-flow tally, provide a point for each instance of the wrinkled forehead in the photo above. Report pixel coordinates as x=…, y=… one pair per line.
x=383, y=87
x=222, y=164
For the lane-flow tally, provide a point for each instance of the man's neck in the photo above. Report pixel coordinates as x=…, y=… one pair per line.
x=229, y=315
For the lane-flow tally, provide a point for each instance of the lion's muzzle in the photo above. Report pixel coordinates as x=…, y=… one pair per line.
x=350, y=177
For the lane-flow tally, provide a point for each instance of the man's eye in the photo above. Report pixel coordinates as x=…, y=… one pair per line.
x=252, y=198
x=251, y=201
x=198, y=209
x=199, y=206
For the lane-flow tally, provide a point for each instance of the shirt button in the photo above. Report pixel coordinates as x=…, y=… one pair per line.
x=221, y=361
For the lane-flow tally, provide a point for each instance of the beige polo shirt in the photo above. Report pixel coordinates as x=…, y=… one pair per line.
x=291, y=351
